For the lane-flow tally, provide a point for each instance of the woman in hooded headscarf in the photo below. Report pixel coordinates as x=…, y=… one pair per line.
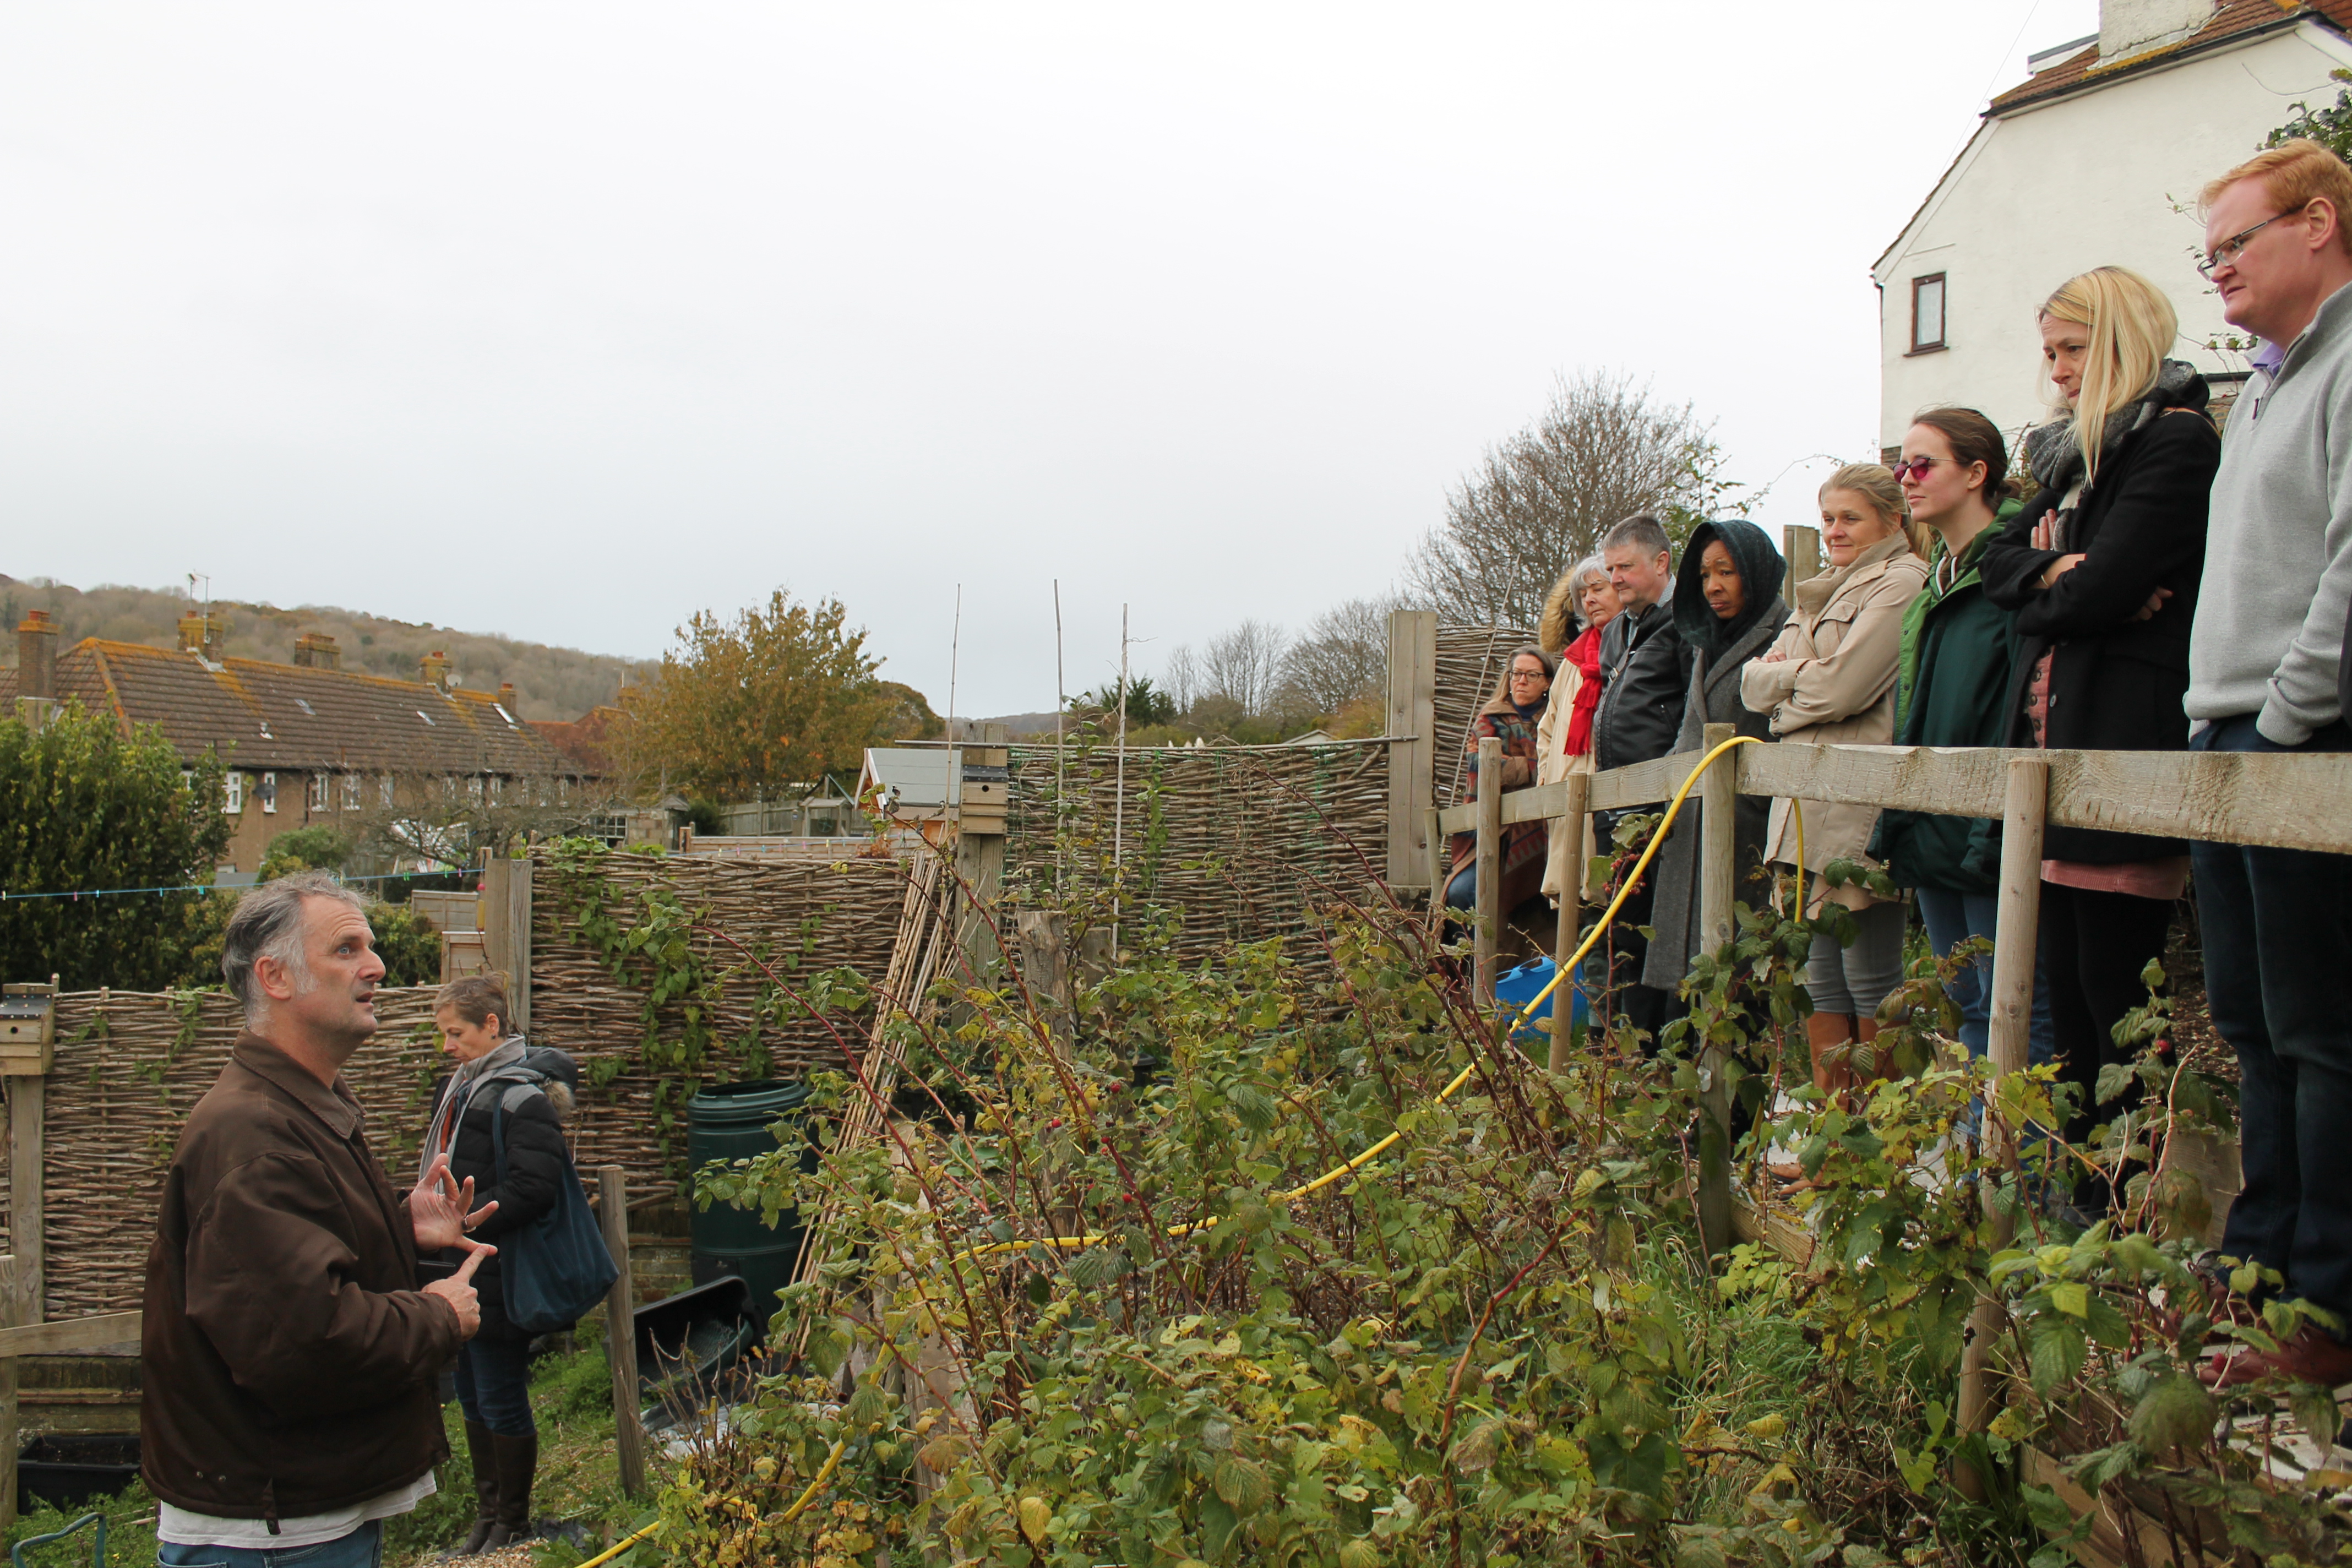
x=1510, y=717
x=1727, y=608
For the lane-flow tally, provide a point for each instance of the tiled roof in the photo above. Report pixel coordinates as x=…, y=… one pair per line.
x=2230, y=20
x=299, y=718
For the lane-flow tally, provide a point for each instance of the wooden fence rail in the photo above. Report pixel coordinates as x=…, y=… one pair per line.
x=2283, y=800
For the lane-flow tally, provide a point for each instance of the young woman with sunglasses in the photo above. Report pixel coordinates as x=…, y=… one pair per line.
x=1958, y=648
x=2102, y=569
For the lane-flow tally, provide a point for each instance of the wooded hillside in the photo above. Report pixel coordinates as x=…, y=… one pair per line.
x=550, y=682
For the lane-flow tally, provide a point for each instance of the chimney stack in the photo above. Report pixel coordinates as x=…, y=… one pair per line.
x=434, y=670
x=37, y=655
x=505, y=695
x=201, y=634
x=317, y=650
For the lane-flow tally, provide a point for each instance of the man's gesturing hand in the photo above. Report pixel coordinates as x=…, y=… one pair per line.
x=458, y=1288
x=440, y=1208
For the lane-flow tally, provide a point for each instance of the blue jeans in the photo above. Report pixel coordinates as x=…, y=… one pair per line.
x=1953, y=917
x=362, y=1547
x=2278, y=946
x=494, y=1386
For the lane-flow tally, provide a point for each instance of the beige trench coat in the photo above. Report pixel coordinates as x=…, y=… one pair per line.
x=1834, y=684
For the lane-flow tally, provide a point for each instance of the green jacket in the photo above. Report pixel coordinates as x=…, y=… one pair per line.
x=1958, y=650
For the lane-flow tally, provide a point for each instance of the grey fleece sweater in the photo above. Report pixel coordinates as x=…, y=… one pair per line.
x=2278, y=555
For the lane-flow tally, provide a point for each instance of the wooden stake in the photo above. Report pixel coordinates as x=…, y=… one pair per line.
x=25, y=1220
x=1717, y=873
x=621, y=1332
x=1490, y=864
x=1571, y=918
x=9, y=1441
x=2016, y=926
x=1045, y=936
x=1412, y=757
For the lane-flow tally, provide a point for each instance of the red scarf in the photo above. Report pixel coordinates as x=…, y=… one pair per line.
x=1585, y=654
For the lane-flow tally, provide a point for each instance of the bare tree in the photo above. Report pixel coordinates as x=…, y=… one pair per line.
x=1538, y=500
x=1180, y=678
x=1342, y=655
x=1242, y=664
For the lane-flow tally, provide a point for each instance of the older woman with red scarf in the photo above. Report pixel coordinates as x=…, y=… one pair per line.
x=1583, y=597
x=1510, y=717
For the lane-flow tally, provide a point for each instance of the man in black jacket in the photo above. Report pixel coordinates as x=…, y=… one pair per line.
x=1644, y=675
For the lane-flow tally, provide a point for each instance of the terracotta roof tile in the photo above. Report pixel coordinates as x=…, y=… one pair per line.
x=2232, y=19
x=296, y=717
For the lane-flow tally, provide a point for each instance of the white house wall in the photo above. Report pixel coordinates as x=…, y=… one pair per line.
x=2085, y=182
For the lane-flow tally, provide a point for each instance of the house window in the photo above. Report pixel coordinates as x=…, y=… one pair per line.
x=351, y=792
x=315, y=797
x=233, y=792
x=383, y=789
x=1927, y=312
x=474, y=790
x=267, y=793
x=543, y=785
x=450, y=786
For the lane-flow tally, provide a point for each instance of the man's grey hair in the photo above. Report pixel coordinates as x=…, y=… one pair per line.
x=268, y=924
x=1641, y=531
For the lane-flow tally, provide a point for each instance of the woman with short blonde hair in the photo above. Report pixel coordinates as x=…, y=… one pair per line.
x=1579, y=608
x=2101, y=569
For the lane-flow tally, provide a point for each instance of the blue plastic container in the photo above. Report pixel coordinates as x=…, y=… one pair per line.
x=1517, y=987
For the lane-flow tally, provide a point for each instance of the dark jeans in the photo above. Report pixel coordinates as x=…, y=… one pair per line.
x=1616, y=986
x=362, y=1547
x=2278, y=950
x=2093, y=946
x=494, y=1384
x=1953, y=917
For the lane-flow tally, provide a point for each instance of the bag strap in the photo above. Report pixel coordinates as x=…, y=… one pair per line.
x=498, y=1141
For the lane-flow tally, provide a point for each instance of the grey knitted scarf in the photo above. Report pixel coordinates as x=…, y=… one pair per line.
x=2055, y=452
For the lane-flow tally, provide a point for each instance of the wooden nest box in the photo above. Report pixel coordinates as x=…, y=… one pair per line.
x=28, y=1030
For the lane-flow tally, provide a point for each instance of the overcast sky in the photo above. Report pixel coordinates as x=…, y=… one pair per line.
x=567, y=321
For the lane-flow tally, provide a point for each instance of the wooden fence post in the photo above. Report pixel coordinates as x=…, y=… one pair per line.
x=26, y=1097
x=1571, y=917
x=2024, y=808
x=1717, y=874
x=1045, y=938
x=1802, y=547
x=621, y=1330
x=980, y=853
x=1412, y=766
x=1490, y=864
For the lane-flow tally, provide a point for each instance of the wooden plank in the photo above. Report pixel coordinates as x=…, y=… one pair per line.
x=1645, y=784
x=11, y=1437
x=2014, y=931
x=621, y=1332
x=1488, y=936
x=1566, y=934
x=519, y=914
x=1044, y=939
x=69, y=1336
x=27, y=1221
x=1441, y=855
x=1412, y=718
x=2292, y=801
x=1717, y=877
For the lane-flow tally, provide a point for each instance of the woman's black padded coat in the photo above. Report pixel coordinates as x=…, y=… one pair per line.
x=536, y=1160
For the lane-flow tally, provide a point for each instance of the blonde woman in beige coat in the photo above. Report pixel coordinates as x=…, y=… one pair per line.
x=1580, y=606
x=1830, y=680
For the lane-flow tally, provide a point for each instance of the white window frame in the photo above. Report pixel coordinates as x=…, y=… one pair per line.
x=1942, y=284
x=318, y=795
x=267, y=793
x=233, y=793
x=353, y=786
x=384, y=790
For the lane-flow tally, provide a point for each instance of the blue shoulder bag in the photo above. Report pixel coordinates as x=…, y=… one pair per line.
x=556, y=1268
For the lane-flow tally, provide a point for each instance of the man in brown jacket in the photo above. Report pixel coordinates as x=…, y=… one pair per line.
x=291, y=1362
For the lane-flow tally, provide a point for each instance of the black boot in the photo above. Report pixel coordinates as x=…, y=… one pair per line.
x=486, y=1491
x=517, y=1460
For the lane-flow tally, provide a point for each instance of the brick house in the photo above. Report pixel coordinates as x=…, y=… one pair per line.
x=306, y=743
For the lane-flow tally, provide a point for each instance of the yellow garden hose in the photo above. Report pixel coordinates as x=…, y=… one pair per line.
x=824, y=1473
x=1633, y=879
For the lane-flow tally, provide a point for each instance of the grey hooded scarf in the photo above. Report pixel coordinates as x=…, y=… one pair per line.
x=2053, y=452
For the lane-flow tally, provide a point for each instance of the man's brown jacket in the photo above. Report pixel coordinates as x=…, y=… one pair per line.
x=290, y=1361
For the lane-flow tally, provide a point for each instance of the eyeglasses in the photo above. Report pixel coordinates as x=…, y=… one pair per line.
x=1906, y=468
x=2226, y=253
x=1529, y=675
